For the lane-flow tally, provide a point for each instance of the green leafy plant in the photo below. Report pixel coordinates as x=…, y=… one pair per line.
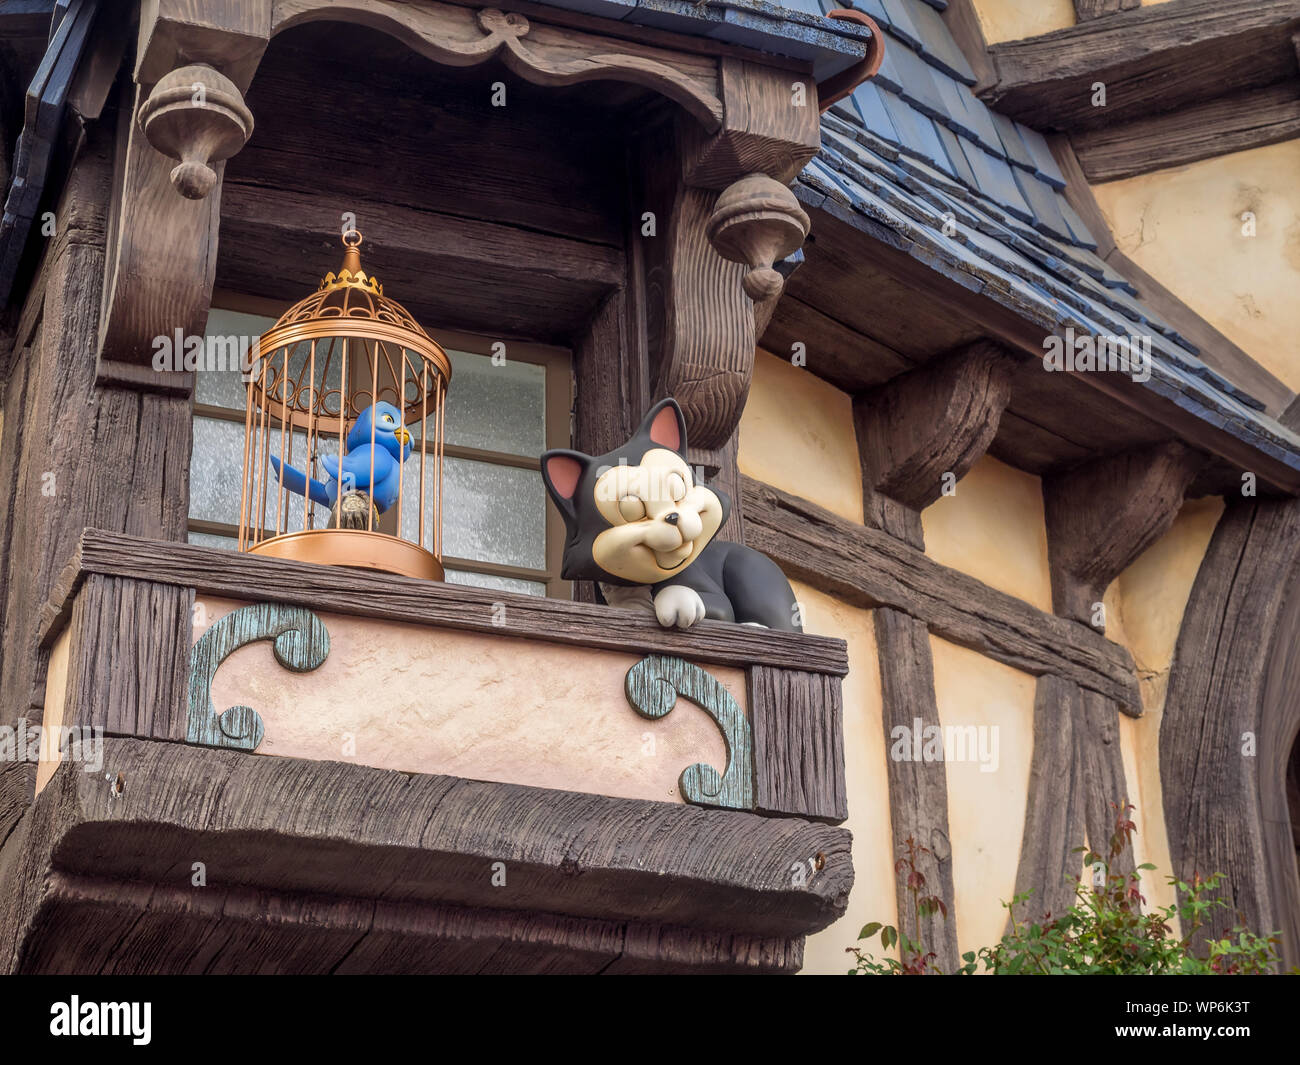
x=1104, y=932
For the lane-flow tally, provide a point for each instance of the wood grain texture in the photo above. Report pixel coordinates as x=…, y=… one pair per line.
x=162, y=253
x=1227, y=692
x=1090, y=9
x=869, y=568
x=340, y=852
x=770, y=126
x=329, y=589
x=918, y=789
x=798, y=721
x=1101, y=515
x=111, y=457
x=1076, y=790
x=927, y=424
x=1154, y=57
x=127, y=670
x=1232, y=123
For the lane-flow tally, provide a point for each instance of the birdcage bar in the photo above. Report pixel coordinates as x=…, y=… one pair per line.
x=345, y=396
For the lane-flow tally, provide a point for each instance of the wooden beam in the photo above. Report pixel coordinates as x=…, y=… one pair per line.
x=1090, y=9
x=373, y=846
x=925, y=429
x=1231, y=123
x=1157, y=57
x=1076, y=787
x=1215, y=349
x=918, y=788
x=868, y=568
x=1231, y=718
x=1102, y=515
x=333, y=589
x=798, y=723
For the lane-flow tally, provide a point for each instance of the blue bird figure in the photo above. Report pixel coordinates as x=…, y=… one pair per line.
x=392, y=446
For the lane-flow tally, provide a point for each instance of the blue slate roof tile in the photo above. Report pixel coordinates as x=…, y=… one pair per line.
x=951, y=93
x=996, y=181
x=916, y=132
x=1044, y=162
x=900, y=21
x=1013, y=145
x=940, y=49
x=871, y=107
x=914, y=159
x=918, y=84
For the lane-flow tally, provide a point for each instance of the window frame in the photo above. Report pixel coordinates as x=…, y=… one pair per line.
x=557, y=363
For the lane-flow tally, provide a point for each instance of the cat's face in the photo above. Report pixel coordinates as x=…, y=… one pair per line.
x=635, y=515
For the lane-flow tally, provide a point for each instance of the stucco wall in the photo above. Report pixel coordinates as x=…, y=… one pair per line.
x=992, y=527
x=797, y=433
x=1010, y=20
x=1190, y=227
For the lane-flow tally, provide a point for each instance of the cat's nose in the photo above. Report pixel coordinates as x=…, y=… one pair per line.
x=673, y=518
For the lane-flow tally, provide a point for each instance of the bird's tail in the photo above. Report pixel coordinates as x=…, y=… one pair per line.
x=297, y=481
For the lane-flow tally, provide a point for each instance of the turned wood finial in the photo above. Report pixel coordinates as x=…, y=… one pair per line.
x=757, y=221
x=196, y=115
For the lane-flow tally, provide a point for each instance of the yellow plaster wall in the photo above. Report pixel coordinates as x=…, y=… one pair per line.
x=1010, y=20
x=797, y=435
x=986, y=799
x=1144, y=611
x=992, y=527
x=1185, y=226
x=866, y=779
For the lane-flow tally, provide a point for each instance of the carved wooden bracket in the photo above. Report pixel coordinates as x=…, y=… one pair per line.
x=543, y=54
x=197, y=116
x=1104, y=514
x=302, y=644
x=757, y=221
x=653, y=686
x=924, y=430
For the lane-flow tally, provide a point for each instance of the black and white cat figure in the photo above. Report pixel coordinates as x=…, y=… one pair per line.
x=640, y=526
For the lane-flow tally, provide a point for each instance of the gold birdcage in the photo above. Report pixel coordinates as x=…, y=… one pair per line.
x=343, y=432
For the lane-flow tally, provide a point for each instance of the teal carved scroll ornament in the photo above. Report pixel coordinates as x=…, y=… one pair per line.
x=654, y=684
x=301, y=643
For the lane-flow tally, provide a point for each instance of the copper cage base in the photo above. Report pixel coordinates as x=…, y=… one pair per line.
x=355, y=548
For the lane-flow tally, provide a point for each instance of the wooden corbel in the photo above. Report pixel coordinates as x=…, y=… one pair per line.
x=1102, y=515
x=186, y=117
x=923, y=430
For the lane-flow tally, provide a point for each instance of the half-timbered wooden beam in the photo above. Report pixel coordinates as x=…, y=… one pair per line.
x=1232, y=123
x=1102, y=515
x=1154, y=57
x=921, y=432
x=1231, y=718
x=869, y=568
x=1090, y=9
x=918, y=788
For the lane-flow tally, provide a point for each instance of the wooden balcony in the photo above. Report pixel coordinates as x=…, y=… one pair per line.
x=415, y=777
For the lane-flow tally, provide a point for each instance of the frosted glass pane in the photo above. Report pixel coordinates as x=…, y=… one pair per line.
x=490, y=513
x=499, y=584
x=496, y=407
x=225, y=387
x=202, y=539
x=216, y=468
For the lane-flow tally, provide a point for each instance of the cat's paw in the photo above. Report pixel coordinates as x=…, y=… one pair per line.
x=679, y=606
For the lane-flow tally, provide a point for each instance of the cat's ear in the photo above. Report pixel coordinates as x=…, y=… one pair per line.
x=562, y=472
x=665, y=426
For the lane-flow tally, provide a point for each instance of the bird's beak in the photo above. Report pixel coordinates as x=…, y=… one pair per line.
x=402, y=435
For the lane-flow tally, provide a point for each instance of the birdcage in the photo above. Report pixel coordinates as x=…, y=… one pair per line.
x=343, y=432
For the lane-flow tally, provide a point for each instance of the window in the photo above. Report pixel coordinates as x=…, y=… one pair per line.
x=499, y=530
